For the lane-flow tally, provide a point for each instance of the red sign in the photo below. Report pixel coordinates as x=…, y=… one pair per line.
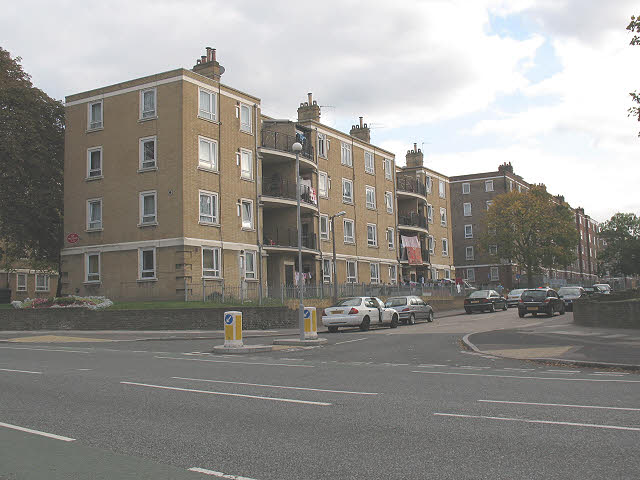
x=73, y=238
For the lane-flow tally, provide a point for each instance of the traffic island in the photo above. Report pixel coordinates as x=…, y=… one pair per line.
x=298, y=342
x=310, y=334
x=242, y=349
x=233, y=343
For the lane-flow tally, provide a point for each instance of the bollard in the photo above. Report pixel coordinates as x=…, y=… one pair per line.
x=310, y=323
x=233, y=329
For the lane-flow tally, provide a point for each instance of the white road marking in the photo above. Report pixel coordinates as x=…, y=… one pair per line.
x=18, y=371
x=614, y=373
x=226, y=394
x=218, y=474
x=562, y=405
x=527, y=378
x=242, y=363
x=46, y=349
x=607, y=374
x=524, y=420
x=520, y=369
x=434, y=365
x=139, y=351
x=349, y=341
x=37, y=432
x=568, y=372
x=617, y=335
x=276, y=386
x=469, y=367
x=84, y=369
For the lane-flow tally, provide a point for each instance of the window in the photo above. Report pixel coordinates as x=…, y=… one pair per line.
x=210, y=262
x=391, y=238
x=246, y=164
x=245, y=118
x=352, y=271
x=429, y=183
x=249, y=265
x=208, y=208
x=441, y=189
x=519, y=188
x=347, y=191
x=147, y=265
x=466, y=188
x=148, y=152
x=92, y=267
x=494, y=274
x=148, y=208
x=471, y=274
x=208, y=154
x=323, y=184
x=393, y=276
x=387, y=169
x=345, y=155
x=432, y=245
x=388, y=201
x=42, y=282
x=370, y=193
x=326, y=270
x=246, y=207
x=429, y=213
x=372, y=235
x=445, y=247
x=467, y=209
x=447, y=274
x=375, y=272
x=489, y=203
x=369, y=167
x=207, y=108
x=468, y=231
x=493, y=249
x=94, y=214
x=94, y=162
x=510, y=185
x=322, y=145
x=324, y=227
x=469, y=253
x=348, y=231
x=443, y=217
x=488, y=186
x=21, y=284
x=95, y=115
x=148, y=103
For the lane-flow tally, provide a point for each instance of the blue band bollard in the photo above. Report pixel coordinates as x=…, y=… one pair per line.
x=310, y=323
x=233, y=329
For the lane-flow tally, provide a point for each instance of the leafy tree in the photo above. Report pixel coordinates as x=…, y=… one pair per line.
x=622, y=236
x=31, y=168
x=634, y=27
x=531, y=229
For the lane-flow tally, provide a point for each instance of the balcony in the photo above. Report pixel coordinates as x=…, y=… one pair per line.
x=281, y=193
x=276, y=147
x=410, y=187
x=423, y=252
x=286, y=239
x=413, y=221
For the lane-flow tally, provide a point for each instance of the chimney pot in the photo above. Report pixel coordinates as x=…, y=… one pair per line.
x=208, y=54
x=415, y=147
x=203, y=58
x=213, y=54
x=310, y=97
x=360, y=122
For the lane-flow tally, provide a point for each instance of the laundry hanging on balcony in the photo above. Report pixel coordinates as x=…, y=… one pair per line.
x=412, y=247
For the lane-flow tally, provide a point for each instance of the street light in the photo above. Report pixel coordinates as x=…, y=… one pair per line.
x=297, y=148
x=335, y=275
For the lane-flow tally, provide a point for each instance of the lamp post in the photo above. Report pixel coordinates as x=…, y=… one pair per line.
x=335, y=275
x=297, y=148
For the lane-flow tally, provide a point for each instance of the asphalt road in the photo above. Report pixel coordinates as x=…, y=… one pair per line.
x=408, y=403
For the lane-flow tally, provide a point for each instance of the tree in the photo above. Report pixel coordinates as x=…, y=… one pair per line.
x=622, y=236
x=31, y=169
x=634, y=27
x=531, y=229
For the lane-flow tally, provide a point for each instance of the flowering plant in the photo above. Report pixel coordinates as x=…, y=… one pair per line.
x=72, y=301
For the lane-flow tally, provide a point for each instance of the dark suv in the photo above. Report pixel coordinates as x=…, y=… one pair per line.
x=540, y=300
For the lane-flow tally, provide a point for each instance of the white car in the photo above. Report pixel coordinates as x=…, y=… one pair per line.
x=359, y=312
x=603, y=288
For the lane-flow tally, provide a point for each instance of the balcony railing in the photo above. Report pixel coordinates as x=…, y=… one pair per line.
x=283, y=142
x=410, y=184
x=288, y=237
x=413, y=220
x=287, y=189
x=423, y=252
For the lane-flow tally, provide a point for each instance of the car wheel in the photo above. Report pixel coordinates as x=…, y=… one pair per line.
x=430, y=317
x=534, y=314
x=562, y=312
x=412, y=319
x=521, y=314
x=492, y=308
x=468, y=310
x=364, y=326
x=394, y=321
x=332, y=329
x=550, y=311
x=404, y=321
x=504, y=307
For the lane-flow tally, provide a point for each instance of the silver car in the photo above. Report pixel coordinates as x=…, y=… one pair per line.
x=410, y=309
x=514, y=297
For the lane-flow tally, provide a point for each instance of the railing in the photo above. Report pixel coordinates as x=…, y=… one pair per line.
x=410, y=184
x=287, y=189
x=288, y=237
x=283, y=142
x=413, y=220
x=423, y=251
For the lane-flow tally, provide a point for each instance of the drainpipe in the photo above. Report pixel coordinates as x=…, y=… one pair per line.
x=258, y=178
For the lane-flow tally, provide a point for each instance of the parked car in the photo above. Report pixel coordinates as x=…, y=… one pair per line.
x=603, y=288
x=410, y=308
x=540, y=300
x=359, y=312
x=570, y=295
x=514, y=297
x=590, y=291
x=484, y=300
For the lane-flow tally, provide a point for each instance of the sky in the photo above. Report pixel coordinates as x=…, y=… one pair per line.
x=543, y=84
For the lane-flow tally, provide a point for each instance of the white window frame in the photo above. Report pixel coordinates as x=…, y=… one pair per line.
x=324, y=232
x=388, y=173
x=322, y=145
x=215, y=256
x=352, y=278
x=432, y=245
x=346, y=199
x=466, y=188
x=374, y=268
x=488, y=185
x=468, y=231
x=443, y=217
x=45, y=287
x=323, y=193
x=429, y=213
x=98, y=171
x=148, y=221
x=96, y=227
x=368, y=189
x=246, y=127
x=142, y=273
x=471, y=275
x=442, y=189
x=489, y=203
x=469, y=254
x=215, y=203
x=141, y=151
x=243, y=202
x=210, y=114
x=495, y=274
x=511, y=185
x=369, y=163
x=96, y=276
x=213, y=154
x=388, y=200
x=21, y=287
x=149, y=114
x=428, y=183
x=93, y=124
x=372, y=241
x=352, y=238
x=466, y=209
x=326, y=270
x=391, y=238
x=493, y=249
x=445, y=247
x=393, y=274
x=250, y=274
x=246, y=156
x=346, y=154
x=447, y=274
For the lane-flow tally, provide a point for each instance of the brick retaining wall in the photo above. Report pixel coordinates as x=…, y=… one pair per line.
x=617, y=314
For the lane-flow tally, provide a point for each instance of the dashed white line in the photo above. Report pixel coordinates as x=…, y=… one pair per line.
x=563, y=372
x=349, y=341
x=84, y=369
x=562, y=405
x=37, y=432
x=242, y=363
x=520, y=369
x=276, y=386
x=46, y=349
x=434, y=365
x=563, y=379
x=18, y=371
x=219, y=474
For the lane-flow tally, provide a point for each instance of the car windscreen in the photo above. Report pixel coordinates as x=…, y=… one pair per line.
x=569, y=291
x=603, y=288
x=534, y=295
x=349, y=302
x=396, y=302
x=479, y=294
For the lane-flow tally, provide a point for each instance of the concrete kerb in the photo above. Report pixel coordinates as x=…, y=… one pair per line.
x=560, y=361
x=298, y=342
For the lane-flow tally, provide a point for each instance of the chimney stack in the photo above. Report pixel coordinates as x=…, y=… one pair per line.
x=361, y=132
x=309, y=110
x=208, y=66
x=415, y=157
